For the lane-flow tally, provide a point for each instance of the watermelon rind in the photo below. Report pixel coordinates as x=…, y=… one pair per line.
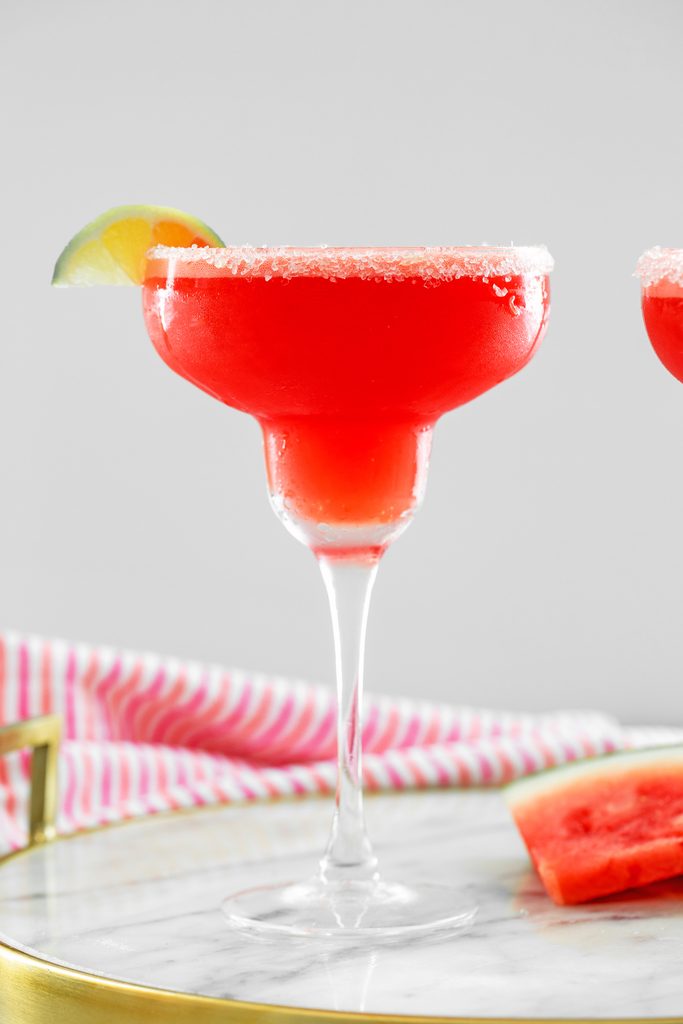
x=557, y=777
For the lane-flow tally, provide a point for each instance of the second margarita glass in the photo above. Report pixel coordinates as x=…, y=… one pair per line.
x=661, y=275
x=347, y=358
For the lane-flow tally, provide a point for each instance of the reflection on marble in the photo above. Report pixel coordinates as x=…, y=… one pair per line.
x=140, y=902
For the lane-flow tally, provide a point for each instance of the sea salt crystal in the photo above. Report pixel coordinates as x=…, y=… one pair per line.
x=659, y=264
x=432, y=265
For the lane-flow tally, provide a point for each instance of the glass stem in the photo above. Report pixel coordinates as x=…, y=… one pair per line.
x=349, y=584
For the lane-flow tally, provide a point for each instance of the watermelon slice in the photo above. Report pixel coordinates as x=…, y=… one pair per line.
x=599, y=826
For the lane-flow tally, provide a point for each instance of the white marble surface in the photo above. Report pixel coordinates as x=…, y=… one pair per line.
x=140, y=903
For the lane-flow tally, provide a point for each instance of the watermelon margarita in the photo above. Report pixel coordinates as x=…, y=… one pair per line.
x=347, y=358
x=661, y=274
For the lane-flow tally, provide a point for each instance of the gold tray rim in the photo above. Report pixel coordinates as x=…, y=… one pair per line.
x=35, y=1002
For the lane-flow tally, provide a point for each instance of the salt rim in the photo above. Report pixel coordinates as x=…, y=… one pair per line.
x=440, y=263
x=659, y=264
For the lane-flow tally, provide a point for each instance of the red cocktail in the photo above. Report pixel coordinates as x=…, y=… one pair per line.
x=661, y=274
x=347, y=358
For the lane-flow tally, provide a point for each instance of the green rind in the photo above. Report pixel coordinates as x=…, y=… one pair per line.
x=114, y=275
x=521, y=791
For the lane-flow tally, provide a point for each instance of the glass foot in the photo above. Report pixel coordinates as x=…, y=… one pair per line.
x=374, y=909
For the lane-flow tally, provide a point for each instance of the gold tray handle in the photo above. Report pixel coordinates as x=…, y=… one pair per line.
x=43, y=735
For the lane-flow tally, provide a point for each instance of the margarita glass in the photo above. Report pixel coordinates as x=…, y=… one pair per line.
x=661, y=278
x=347, y=358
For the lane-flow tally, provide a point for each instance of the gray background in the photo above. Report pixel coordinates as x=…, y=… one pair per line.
x=546, y=567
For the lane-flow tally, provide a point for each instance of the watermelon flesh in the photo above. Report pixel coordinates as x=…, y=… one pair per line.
x=600, y=826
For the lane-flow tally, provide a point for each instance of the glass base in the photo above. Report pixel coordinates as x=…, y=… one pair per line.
x=373, y=910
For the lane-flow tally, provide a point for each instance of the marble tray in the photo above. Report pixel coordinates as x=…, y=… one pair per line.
x=123, y=924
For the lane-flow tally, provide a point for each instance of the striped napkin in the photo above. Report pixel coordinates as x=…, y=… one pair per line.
x=144, y=733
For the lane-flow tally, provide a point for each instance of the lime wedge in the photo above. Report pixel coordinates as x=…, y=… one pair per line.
x=112, y=248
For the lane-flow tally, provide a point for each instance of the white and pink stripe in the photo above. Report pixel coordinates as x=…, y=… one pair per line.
x=145, y=734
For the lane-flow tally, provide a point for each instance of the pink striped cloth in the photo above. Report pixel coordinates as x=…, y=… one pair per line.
x=144, y=733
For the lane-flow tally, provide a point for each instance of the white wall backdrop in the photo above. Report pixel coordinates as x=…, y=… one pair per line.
x=546, y=567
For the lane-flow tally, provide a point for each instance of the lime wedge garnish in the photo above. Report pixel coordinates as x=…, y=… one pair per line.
x=112, y=248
